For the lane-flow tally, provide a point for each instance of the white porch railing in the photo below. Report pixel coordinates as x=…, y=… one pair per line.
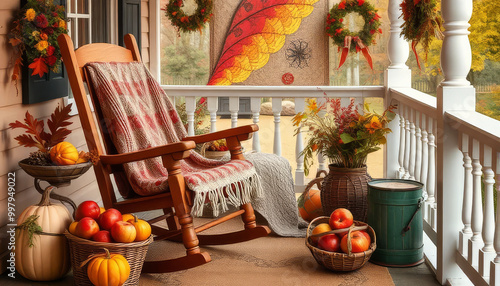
x=277, y=94
x=440, y=141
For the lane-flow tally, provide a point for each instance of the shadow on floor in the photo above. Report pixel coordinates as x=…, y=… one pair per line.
x=419, y=275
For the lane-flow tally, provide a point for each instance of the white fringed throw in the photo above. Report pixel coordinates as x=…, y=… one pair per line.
x=139, y=115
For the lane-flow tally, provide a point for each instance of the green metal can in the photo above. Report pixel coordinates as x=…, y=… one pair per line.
x=394, y=212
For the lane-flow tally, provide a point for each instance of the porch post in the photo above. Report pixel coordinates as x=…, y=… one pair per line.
x=396, y=75
x=453, y=93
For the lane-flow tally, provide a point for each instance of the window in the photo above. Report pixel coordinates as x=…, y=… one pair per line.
x=184, y=60
x=90, y=21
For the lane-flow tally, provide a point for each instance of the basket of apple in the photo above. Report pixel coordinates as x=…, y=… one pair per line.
x=340, y=243
x=96, y=228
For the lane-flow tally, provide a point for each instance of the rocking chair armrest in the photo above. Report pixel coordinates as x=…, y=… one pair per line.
x=241, y=132
x=172, y=148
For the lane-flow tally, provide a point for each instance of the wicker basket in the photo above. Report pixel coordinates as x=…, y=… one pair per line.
x=346, y=188
x=338, y=261
x=80, y=249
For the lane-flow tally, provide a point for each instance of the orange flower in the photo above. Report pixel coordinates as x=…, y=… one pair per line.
x=44, y=37
x=30, y=14
x=62, y=24
x=373, y=125
x=42, y=45
x=314, y=147
x=312, y=104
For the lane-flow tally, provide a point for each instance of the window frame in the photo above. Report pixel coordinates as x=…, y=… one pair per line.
x=73, y=20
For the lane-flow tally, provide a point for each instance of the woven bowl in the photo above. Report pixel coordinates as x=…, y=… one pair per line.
x=80, y=249
x=338, y=261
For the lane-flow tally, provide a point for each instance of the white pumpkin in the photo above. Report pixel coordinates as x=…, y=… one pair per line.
x=48, y=258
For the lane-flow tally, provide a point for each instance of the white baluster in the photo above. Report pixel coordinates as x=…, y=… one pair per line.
x=456, y=56
x=487, y=253
x=300, y=178
x=495, y=265
x=277, y=119
x=190, y=108
x=425, y=162
x=413, y=146
x=407, y=142
x=476, y=242
x=321, y=159
x=431, y=177
x=255, y=108
x=397, y=47
x=453, y=93
x=359, y=103
x=466, y=232
x=234, y=107
x=418, y=141
x=402, y=145
x=212, y=106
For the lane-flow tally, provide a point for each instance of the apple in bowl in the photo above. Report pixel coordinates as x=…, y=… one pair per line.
x=341, y=218
x=329, y=242
x=359, y=242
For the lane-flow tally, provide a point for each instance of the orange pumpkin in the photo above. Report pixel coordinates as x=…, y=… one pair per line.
x=64, y=153
x=310, y=204
x=108, y=270
x=142, y=228
x=127, y=217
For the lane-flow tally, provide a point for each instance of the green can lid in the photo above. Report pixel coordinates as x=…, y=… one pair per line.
x=395, y=184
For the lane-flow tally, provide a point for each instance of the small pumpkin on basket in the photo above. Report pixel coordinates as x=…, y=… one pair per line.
x=107, y=269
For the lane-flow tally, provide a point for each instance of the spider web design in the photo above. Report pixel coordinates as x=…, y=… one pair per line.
x=298, y=54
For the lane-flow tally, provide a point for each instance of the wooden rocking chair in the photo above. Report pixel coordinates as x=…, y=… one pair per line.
x=176, y=203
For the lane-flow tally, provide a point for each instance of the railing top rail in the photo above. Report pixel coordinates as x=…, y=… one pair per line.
x=417, y=100
x=274, y=91
x=478, y=126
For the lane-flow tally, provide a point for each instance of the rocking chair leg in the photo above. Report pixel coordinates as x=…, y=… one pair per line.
x=172, y=221
x=248, y=216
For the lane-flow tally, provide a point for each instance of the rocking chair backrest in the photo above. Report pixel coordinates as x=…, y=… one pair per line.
x=74, y=62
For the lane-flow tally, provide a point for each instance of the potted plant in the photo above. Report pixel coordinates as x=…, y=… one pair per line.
x=345, y=136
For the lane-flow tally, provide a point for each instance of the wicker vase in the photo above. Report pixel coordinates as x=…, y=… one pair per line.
x=346, y=188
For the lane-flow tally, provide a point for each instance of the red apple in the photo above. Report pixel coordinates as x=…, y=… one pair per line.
x=87, y=209
x=329, y=242
x=359, y=242
x=102, y=236
x=123, y=231
x=367, y=236
x=341, y=218
x=86, y=228
x=108, y=218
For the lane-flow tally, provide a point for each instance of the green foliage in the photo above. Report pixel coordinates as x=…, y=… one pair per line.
x=186, y=63
x=31, y=226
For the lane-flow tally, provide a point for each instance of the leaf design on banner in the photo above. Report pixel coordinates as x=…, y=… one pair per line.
x=258, y=29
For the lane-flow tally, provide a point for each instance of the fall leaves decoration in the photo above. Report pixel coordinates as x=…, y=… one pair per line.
x=50, y=144
x=422, y=22
x=191, y=23
x=35, y=34
x=348, y=41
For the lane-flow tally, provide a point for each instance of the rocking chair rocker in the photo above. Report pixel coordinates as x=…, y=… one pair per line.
x=177, y=201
